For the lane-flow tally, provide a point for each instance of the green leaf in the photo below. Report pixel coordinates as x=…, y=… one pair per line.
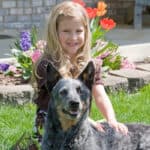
x=27, y=74
x=115, y=64
x=92, y=24
x=8, y=72
x=97, y=33
x=34, y=36
x=17, y=44
x=109, y=47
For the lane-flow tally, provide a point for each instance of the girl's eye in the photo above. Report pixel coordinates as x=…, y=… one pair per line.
x=66, y=31
x=79, y=31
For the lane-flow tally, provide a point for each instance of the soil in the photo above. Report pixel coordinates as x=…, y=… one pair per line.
x=10, y=80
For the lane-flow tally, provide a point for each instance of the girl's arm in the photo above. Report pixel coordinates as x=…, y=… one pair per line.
x=104, y=105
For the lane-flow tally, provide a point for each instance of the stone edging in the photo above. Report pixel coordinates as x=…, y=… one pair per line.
x=130, y=79
x=19, y=94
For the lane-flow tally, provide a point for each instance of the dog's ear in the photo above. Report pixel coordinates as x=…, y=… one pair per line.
x=52, y=76
x=87, y=75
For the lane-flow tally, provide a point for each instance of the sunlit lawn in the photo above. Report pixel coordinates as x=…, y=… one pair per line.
x=129, y=107
x=16, y=120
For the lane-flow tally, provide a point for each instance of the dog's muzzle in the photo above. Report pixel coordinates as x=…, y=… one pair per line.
x=73, y=109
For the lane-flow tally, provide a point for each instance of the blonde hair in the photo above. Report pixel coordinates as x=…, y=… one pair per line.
x=54, y=51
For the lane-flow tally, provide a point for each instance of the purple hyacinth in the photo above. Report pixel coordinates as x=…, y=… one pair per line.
x=4, y=67
x=25, y=41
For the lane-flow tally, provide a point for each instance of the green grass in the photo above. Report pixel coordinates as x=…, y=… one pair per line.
x=129, y=107
x=16, y=120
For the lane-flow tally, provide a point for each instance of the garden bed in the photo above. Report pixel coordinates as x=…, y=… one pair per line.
x=10, y=80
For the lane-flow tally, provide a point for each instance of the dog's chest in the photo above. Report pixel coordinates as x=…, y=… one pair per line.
x=75, y=139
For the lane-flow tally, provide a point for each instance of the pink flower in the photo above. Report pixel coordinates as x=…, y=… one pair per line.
x=104, y=55
x=41, y=44
x=126, y=64
x=36, y=55
x=13, y=69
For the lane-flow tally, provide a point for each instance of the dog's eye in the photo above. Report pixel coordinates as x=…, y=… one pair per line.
x=63, y=92
x=78, y=89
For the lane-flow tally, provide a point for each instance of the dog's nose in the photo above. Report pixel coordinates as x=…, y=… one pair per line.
x=73, y=104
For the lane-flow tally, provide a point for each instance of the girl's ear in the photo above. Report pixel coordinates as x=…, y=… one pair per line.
x=87, y=75
x=52, y=76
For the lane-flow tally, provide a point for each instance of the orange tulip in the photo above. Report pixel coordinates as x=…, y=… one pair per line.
x=101, y=6
x=101, y=13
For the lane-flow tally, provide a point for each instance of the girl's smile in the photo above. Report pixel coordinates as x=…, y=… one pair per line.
x=71, y=34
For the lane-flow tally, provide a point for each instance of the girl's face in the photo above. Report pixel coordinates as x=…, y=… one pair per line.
x=71, y=34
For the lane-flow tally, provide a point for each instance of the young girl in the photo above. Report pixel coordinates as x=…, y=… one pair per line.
x=68, y=49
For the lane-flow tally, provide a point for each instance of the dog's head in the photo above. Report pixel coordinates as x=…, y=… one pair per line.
x=70, y=98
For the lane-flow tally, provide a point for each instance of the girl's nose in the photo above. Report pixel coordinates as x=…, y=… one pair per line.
x=73, y=35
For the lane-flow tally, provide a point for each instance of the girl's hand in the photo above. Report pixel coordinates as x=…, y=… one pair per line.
x=96, y=125
x=119, y=127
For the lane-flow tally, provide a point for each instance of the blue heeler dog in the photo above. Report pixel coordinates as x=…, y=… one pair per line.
x=67, y=126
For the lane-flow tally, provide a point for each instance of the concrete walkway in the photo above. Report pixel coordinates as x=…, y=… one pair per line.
x=134, y=44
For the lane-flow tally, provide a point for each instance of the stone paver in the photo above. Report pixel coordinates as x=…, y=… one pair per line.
x=136, y=78
x=145, y=67
x=130, y=73
x=19, y=94
x=115, y=83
